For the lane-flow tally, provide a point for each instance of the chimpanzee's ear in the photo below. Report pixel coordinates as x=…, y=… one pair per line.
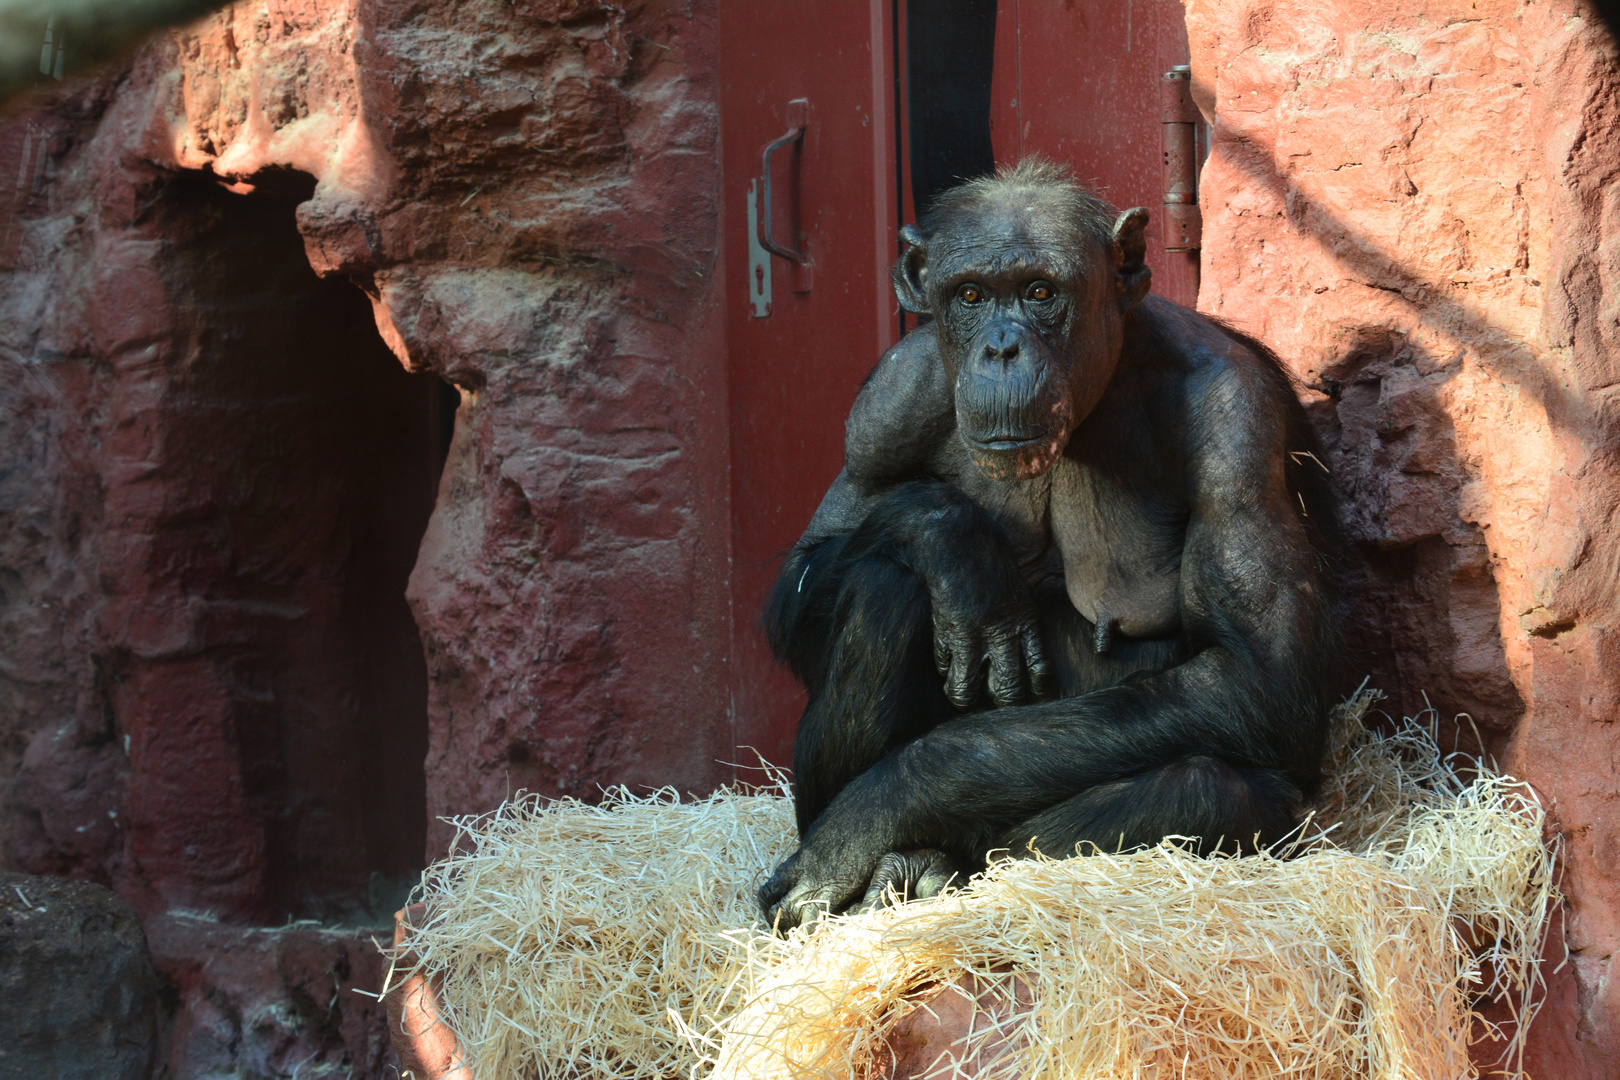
x=911, y=272
x=1132, y=276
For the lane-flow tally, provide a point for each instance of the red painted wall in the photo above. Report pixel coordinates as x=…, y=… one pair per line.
x=794, y=373
x=1078, y=82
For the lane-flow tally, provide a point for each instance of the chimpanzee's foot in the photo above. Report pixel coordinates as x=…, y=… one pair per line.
x=910, y=875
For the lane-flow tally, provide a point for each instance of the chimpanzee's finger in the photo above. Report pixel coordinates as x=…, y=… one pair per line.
x=1006, y=668
x=910, y=875
x=962, y=681
x=1040, y=672
x=932, y=872
x=942, y=647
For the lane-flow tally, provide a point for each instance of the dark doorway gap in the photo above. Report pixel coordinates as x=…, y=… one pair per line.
x=323, y=457
x=950, y=53
x=944, y=58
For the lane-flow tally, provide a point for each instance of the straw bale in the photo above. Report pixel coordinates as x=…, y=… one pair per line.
x=622, y=941
x=560, y=935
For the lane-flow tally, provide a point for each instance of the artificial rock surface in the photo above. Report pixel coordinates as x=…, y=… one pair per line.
x=227, y=423
x=1415, y=205
x=291, y=1001
x=254, y=279
x=78, y=997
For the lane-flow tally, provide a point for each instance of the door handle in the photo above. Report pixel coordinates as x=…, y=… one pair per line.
x=798, y=116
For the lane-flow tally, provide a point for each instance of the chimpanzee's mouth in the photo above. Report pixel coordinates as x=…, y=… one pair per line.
x=1005, y=443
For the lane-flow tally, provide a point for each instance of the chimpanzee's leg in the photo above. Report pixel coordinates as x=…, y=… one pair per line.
x=1227, y=808
x=876, y=687
x=856, y=626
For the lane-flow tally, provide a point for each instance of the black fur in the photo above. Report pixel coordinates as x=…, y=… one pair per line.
x=960, y=701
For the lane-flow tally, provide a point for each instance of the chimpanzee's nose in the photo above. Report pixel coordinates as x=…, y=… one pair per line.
x=1001, y=345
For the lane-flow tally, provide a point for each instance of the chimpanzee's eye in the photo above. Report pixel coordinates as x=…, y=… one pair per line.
x=1041, y=291
x=970, y=294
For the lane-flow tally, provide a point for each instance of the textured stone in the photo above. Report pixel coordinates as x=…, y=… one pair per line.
x=526, y=195
x=1414, y=205
x=214, y=493
x=241, y=679
x=421, y=1039
x=78, y=997
x=220, y=263
x=292, y=1001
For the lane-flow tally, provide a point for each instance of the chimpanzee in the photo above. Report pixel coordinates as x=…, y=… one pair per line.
x=1075, y=584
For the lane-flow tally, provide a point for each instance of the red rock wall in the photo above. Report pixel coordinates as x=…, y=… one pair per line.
x=239, y=275
x=548, y=244
x=526, y=195
x=1415, y=205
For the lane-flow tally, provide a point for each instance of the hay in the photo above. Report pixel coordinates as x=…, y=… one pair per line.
x=562, y=934
x=620, y=941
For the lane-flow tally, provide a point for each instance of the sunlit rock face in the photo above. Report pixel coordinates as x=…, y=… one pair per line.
x=1415, y=205
x=365, y=462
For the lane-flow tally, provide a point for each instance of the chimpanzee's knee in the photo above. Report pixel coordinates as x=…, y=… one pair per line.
x=1228, y=807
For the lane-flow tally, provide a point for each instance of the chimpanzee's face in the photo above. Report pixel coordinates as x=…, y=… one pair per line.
x=1029, y=318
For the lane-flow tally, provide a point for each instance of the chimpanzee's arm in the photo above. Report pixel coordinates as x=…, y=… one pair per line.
x=981, y=605
x=983, y=616
x=1255, y=610
x=901, y=415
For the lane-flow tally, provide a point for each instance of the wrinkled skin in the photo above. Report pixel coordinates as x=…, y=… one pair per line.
x=1070, y=588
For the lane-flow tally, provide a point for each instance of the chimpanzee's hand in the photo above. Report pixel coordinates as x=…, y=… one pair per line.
x=808, y=885
x=981, y=604
x=983, y=612
x=834, y=863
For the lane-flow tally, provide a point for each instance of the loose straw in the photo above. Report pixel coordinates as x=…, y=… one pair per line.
x=621, y=941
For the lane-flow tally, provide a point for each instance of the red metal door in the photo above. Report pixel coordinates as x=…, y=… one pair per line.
x=797, y=358
x=815, y=81
x=1079, y=81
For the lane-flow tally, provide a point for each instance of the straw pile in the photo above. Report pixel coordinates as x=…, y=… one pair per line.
x=620, y=942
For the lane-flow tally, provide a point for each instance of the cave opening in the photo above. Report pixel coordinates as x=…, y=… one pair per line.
x=308, y=461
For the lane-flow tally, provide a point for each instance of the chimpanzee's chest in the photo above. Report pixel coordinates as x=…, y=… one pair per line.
x=1120, y=535
x=1113, y=528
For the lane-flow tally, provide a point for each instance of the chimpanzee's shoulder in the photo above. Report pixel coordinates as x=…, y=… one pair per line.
x=1238, y=405
x=903, y=413
x=1227, y=379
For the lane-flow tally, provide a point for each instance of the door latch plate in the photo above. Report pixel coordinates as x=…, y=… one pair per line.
x=759, y=260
